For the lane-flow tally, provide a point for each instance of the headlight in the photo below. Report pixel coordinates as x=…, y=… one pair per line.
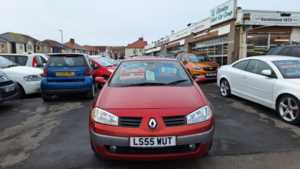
x=3, y=78
x=32, y=78
x=200, y=115
x=104, y=117
x=197, y=68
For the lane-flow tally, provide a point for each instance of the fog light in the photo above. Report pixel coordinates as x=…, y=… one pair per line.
x=113, y=148
x=192, y=146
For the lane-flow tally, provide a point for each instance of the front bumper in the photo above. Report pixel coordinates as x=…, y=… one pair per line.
x=101, y=140
x=203, y=141
x=5, y=96
x=208, y=75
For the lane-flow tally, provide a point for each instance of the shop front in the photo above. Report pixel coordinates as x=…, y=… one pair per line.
x=259, y=31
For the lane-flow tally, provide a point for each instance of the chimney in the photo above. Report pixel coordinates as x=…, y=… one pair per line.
x=72, y=41
x=141, y=38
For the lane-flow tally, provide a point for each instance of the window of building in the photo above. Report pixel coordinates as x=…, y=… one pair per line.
x=216, y=49
x=260, y=43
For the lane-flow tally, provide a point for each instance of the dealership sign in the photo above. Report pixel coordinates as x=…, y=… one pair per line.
x=223, y=12
x=269, y=18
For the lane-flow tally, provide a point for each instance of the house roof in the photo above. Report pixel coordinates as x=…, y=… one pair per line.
x=17, y=37
x=139, y=44
x=52, y=43
x=72, y=45
x=2, y=40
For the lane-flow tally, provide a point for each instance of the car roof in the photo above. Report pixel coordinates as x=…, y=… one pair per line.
x=64, y=54
x=149, y=58
x=14, y=54
x=273, y=58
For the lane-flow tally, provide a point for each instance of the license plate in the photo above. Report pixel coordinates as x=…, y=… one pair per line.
x=9, y=89
x=65, y=74
x=211, y=74
x=153, y=141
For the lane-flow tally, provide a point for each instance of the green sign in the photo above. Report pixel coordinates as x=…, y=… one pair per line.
x=223, y=12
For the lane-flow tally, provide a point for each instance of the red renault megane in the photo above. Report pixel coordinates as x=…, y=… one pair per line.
x=151, y=109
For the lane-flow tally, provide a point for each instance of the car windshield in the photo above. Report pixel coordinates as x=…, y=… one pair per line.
x=5, y=63
x=67, y=61
x=290, y=69
x=149, y=73
x=104, y=61
x=197, y=59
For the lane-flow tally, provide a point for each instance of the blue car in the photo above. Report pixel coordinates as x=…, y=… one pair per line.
x=67, y=74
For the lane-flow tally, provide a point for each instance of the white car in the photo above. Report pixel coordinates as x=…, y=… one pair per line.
x=272, y=81
x=28, y=79
x=32, y=60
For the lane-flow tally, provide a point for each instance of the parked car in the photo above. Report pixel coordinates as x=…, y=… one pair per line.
x=199, y=66
x=102, y=66
x=8, y=89
x=67, y=73
x=32, y=60
x=28, y=79
x=288, y=50
x=150, y=109
x=272, y=81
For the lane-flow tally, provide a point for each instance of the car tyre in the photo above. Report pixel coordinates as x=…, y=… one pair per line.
x=20, y=91
x=46, y=97
x=288, y=108
x=91, y=94
x=225, y=89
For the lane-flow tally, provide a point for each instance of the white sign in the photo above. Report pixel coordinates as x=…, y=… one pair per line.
x=269, y=18
x=180, y=34
x=223, y=12
x=201, y=26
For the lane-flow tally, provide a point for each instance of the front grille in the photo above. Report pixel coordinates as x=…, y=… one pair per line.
x=175, y=121
x=161, y=150
x=130, y=121
x=210, y=68
x=6, y=83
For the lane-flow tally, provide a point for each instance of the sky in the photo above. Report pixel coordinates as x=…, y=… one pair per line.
x=113, y=22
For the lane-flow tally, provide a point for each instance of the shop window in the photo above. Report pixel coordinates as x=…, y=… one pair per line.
x=260, y=43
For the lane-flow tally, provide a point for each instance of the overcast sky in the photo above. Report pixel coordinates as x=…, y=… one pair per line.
x=113, y=22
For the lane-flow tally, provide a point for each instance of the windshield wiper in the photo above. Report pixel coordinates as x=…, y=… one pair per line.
x=177, y=82
x=8, y=66
x=145, y=84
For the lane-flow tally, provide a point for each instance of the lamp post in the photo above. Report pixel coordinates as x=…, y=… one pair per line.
x=61, y=35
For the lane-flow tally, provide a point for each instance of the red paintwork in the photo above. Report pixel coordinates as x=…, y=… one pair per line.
x=102, y=71
x=151, y=102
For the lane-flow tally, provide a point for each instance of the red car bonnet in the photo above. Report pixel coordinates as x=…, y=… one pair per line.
x=158, y=97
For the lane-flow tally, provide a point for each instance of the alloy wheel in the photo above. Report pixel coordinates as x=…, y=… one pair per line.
x=225, y=88
x=289, y=109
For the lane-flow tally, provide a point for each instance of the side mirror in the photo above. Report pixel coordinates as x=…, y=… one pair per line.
x=267, y=72
x=200, y=79
x=95, y=66
x=100, y=80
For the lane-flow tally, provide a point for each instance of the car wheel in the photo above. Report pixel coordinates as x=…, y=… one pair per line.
x=46, y=97
x=91, y=94
x=20, y=90
x=288, y=108
x=225, y=88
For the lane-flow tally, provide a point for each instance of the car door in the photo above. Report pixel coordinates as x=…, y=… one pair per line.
x=259, y=88
x=237, y=77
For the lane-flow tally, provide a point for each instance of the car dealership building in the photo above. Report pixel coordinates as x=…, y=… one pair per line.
x=231, y=33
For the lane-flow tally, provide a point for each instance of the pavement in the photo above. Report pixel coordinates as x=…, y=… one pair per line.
x=54, y=135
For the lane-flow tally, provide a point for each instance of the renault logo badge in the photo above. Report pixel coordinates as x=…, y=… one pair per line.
x=152, y=123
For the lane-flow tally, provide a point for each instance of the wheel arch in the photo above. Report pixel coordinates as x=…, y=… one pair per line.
x=282, y=95
x=223, y=78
